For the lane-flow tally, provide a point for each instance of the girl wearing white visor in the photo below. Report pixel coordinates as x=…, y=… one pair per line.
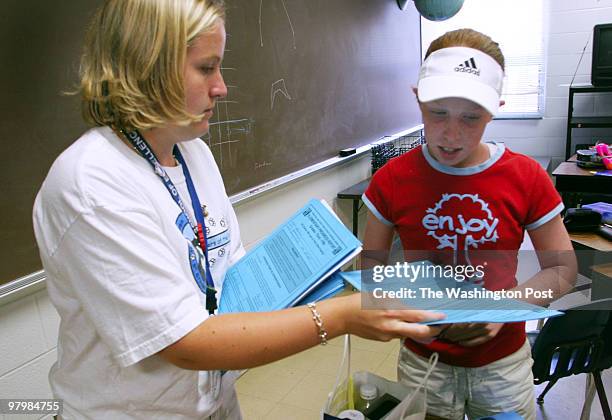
x=470, y=201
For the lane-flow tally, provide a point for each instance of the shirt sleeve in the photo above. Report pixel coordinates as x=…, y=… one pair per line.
x=544, y=201
x=378, y=195
x=130, y=281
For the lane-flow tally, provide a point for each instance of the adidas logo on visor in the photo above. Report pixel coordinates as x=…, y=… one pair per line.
x=468, y=66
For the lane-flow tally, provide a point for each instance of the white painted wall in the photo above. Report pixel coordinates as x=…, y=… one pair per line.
x=28, y=337
x=569, y=27
x=28, y=327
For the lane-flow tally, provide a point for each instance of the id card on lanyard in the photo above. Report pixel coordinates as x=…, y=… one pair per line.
x=199, y=227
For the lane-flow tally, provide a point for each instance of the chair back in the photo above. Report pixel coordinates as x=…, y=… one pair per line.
x=572, y=343
x=605, y=359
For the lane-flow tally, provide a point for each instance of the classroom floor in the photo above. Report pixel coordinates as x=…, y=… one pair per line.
x=296, y=388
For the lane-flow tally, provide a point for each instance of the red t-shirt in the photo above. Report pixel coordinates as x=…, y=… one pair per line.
x=463, y=213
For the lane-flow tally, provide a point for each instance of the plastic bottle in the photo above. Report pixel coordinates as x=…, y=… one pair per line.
x=367, y=395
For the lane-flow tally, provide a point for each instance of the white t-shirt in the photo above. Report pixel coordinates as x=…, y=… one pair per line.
x=119, y=273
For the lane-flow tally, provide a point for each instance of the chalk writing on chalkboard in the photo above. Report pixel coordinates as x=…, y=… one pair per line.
x=278, y=87
x=226, y=130
x=288, y=19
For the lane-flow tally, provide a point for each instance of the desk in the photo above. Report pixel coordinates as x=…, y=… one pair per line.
x=572, y=180
x=593, y=251
x=354, y=193
x=602, y=282
x=594, y=261
x=590, y=241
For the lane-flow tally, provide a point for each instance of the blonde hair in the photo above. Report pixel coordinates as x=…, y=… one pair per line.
x=131, y=72
x=471, y=39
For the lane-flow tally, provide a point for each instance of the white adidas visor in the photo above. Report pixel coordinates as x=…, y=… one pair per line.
x=461, y=72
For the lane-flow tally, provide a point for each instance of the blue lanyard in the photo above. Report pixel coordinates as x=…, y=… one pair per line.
x=142, y=147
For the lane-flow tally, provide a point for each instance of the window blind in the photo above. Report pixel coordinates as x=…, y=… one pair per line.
x=518, y=27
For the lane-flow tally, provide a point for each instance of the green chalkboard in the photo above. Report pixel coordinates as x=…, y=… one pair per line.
x=305, y=79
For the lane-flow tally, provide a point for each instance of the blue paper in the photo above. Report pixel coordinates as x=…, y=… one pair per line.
x=457, y=310
x=330, y=287
x=290, y=263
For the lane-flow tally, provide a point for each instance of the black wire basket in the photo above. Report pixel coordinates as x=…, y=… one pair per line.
x=382, y=153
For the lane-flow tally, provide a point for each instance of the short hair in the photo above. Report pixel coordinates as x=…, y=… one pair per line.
x=468, y=38
x=131, y=72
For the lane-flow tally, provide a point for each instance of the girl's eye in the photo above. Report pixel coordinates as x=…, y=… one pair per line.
x=207, y=70
x=438, y=113
x=472, y=117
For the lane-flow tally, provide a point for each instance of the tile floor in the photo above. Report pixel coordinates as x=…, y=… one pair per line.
x=296, y=388
x=565, y=400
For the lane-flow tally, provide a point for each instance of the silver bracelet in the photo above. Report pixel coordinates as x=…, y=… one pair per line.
x=316, y=317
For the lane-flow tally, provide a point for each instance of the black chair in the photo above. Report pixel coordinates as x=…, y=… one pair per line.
x=604, y=362
x=578, y=342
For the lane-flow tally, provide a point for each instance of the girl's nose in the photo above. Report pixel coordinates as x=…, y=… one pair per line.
x=451, y=130
x=218, y=89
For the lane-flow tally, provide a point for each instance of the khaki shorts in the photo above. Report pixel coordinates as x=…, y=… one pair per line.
x=505, y=385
